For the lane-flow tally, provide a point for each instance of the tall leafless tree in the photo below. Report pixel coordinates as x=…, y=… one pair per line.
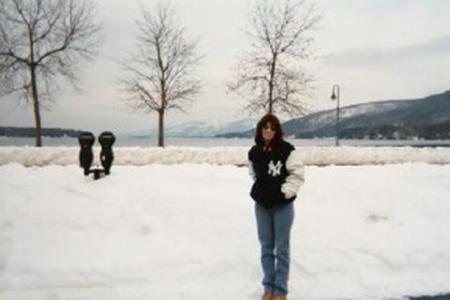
x=160, y=75
x=40, y=42
x=270, y=76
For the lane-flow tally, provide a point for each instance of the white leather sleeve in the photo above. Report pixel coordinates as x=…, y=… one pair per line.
x=296, y=177
x=251, y=171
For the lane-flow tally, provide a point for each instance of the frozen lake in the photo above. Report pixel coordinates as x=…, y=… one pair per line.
x=217, y=142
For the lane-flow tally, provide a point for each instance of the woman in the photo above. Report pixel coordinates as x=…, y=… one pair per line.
x=278, y=173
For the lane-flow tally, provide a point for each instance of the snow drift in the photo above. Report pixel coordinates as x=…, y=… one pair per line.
x=31, y=156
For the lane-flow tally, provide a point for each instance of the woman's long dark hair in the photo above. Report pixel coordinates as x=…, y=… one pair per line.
x=276, y=125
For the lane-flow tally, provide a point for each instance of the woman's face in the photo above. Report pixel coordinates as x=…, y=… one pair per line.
x=268, y=132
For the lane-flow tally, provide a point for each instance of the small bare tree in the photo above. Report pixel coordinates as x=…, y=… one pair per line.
x=270, y=75
x=159, y=76
x=40, y=41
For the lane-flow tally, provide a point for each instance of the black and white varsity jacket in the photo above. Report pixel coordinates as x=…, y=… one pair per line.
x=278, y=174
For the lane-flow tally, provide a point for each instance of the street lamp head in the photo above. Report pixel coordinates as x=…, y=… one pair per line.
x=335, y=96
x=335, y=92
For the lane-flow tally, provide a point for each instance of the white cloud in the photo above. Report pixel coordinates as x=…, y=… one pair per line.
x=437, y=49
x=379, y=49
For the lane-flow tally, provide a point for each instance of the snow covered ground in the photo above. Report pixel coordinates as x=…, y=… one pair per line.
x=187, y=231
x=311, y=155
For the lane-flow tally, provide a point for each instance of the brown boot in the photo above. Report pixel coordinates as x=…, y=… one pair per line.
x=267, y=296
x=279, y=297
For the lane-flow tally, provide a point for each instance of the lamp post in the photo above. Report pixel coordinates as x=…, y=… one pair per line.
x=335, y=96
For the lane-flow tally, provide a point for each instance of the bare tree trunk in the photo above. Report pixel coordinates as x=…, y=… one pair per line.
x=37, y=114
x=161, y=128
x=41, y=41
x=272, y=78
x=160, y=73
x=34, y=92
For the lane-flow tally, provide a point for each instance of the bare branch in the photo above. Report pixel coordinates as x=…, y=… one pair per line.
x=42, y=41
x=159, y=75
x=269, y=75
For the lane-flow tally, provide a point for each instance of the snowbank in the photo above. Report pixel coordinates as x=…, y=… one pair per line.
x=185, y=232
x=31, y=156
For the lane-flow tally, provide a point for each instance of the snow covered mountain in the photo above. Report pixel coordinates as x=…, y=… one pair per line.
x=204, y=129
x=201, y=129
x=428, y=117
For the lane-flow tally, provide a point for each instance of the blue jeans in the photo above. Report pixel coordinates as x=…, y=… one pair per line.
x=274, y=227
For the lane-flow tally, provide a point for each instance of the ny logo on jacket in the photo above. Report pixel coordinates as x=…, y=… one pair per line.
x=274, y=170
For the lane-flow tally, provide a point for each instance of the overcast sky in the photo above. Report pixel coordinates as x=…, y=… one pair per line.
x=374, y=49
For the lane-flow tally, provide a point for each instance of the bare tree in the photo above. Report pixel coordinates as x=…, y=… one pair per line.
x=159, y=76
x=270, y=75
x=40, y=42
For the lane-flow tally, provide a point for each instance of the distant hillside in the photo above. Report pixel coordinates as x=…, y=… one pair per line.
x=29, y=132
x=427, y=118
x=200, y=129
